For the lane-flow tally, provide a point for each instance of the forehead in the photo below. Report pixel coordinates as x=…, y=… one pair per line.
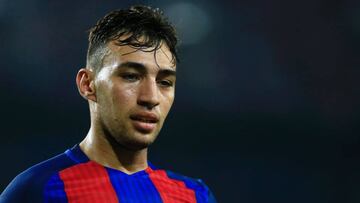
x=161, y=57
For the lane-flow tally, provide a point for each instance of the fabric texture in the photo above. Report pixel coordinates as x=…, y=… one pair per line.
x=72, y=177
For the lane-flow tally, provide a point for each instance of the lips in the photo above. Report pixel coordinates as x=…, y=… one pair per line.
x=144, y=122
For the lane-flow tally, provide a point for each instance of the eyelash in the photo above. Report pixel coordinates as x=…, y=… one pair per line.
x=132, y=77
x=166, y=83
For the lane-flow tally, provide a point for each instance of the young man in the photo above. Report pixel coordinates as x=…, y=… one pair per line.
x=129, y=83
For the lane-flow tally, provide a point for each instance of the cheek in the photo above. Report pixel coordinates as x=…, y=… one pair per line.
x=123, y=95
x=168, y=101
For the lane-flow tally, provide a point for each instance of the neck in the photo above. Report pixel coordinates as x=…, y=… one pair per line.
x=108, y=153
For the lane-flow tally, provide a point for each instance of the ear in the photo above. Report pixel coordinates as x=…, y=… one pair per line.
x=85, y=84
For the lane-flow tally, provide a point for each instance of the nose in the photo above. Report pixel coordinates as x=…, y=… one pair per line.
x=148, y=95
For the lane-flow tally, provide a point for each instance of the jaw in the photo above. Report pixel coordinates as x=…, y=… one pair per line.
x=133, y=139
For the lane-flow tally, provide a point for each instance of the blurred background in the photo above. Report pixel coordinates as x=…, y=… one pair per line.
x=267, y=101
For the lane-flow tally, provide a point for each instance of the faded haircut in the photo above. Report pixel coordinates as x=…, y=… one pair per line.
x=127, y=27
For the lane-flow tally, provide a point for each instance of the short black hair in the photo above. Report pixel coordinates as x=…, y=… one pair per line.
x=134, y=23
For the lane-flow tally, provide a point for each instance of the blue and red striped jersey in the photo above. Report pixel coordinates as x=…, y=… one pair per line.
x=72, y=177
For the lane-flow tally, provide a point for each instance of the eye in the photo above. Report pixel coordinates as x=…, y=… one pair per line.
x=131, y=77
x=165, y=83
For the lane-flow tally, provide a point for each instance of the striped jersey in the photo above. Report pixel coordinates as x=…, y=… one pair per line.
x=72, y=177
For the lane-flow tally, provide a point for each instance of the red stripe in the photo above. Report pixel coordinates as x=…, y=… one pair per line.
x=170, y=190
x=88, y=182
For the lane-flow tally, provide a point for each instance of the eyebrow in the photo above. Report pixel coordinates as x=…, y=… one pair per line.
x=142, y=68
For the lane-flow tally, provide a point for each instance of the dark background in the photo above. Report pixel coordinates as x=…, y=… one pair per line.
x=267, y=102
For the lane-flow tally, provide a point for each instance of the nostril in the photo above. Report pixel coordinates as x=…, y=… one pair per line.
x=148, y=105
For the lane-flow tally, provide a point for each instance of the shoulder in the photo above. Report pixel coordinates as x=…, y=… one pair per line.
x=202, y=191
x=29, y=184
x=189, y=181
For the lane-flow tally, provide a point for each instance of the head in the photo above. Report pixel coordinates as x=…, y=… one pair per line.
x=139, y=27
x=130, y=76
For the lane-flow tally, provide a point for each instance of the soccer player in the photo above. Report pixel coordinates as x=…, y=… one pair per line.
x=129, y=83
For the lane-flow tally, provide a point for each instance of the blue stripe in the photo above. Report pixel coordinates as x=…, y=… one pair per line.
x=77, y=155
x=153, y=167
x=202, y=192
x=133, y=188
x=54, y=190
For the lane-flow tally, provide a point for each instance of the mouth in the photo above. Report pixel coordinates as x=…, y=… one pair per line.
x=145, y=117
x=144, y=122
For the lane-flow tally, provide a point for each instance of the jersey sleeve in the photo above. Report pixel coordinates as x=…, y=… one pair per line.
x=202, y=192
x=210, y=195
x=20, y=189
x=29, y=185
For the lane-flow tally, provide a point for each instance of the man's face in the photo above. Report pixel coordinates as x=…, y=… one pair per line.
x=134, y=93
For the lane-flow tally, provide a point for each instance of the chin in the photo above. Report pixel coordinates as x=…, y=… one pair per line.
x=137, y=145
x=137, y=141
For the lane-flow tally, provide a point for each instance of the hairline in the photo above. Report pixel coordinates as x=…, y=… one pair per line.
x=103, y=49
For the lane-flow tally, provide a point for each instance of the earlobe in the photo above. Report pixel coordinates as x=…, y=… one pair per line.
x=85, y=84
